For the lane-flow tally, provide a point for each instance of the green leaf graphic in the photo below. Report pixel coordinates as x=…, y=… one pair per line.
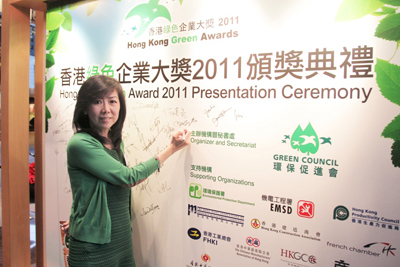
x=355, y=9
x=388, y=10
x=392, y=130
x=48, y=116
x=49, y=60
x=378, y=14
x=389, y=28
x=91, y=6
x=49, y=88
x=52, y=39
x=67, y=24
x=388, y=80
x=396, y=153
x=391, y=2
x=54, y=20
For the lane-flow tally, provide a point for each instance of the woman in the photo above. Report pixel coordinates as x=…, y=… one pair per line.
x=100, y=221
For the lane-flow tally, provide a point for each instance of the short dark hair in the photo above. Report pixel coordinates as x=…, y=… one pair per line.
x=94, y=88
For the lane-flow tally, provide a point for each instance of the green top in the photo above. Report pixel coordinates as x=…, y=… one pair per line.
x=90, y=167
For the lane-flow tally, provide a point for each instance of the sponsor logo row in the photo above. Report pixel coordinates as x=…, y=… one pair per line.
x=252, y=248
x=255, y=250
x=289, y=206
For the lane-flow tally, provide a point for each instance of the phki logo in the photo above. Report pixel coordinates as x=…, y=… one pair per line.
x=341, y=213
x=194, y=233
x=255, y=223
x=305, y=209
x=254, y=242
x=386, y=249
x=205, y=257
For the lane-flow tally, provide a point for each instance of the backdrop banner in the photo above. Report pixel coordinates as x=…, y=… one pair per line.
x=294, y=112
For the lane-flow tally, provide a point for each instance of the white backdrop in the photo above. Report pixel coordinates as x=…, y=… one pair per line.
x=272, y=160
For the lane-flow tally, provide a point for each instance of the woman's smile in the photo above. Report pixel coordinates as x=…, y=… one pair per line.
x=104, y=112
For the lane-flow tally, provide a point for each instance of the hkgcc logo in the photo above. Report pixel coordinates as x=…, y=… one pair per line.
x=298, y=256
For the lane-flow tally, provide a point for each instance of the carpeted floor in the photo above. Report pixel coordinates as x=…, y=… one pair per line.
x=33, y=251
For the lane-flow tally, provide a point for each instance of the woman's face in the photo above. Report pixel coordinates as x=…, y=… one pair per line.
x=104, y=112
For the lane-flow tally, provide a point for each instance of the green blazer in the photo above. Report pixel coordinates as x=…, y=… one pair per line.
x=90, y=168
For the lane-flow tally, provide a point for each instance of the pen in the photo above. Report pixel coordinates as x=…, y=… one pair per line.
x=184, y=135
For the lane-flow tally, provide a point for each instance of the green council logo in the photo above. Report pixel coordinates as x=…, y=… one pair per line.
x=307, y=142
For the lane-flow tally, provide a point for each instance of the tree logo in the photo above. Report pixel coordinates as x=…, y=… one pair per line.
x=305, y=140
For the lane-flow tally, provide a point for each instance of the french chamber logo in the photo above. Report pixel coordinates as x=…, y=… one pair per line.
x=194, y=233
x=306, y=140
x=305, y=209
x=341, y=213
x=387, y=247
x=195, y=190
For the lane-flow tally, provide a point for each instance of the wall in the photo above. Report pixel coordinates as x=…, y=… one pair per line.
x=288, y=167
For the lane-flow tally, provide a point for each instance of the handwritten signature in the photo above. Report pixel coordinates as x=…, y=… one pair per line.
x=156, y=123
x=152, y=140
x=144, y=187
x=152, y=208
x=153, y=105
x=163, y=187
x=237, y=115
x=184, y=123
x=221, y=114
x=180, y=112
x=207, y=111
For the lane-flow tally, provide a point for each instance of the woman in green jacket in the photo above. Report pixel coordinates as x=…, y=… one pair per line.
x=100, y=223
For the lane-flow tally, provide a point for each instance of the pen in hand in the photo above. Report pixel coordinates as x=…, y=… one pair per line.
x=184, y=136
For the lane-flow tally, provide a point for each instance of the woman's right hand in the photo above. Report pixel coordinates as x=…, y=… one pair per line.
x=179, y=140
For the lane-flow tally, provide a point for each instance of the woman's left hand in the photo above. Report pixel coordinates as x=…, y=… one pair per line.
x=65, y=227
